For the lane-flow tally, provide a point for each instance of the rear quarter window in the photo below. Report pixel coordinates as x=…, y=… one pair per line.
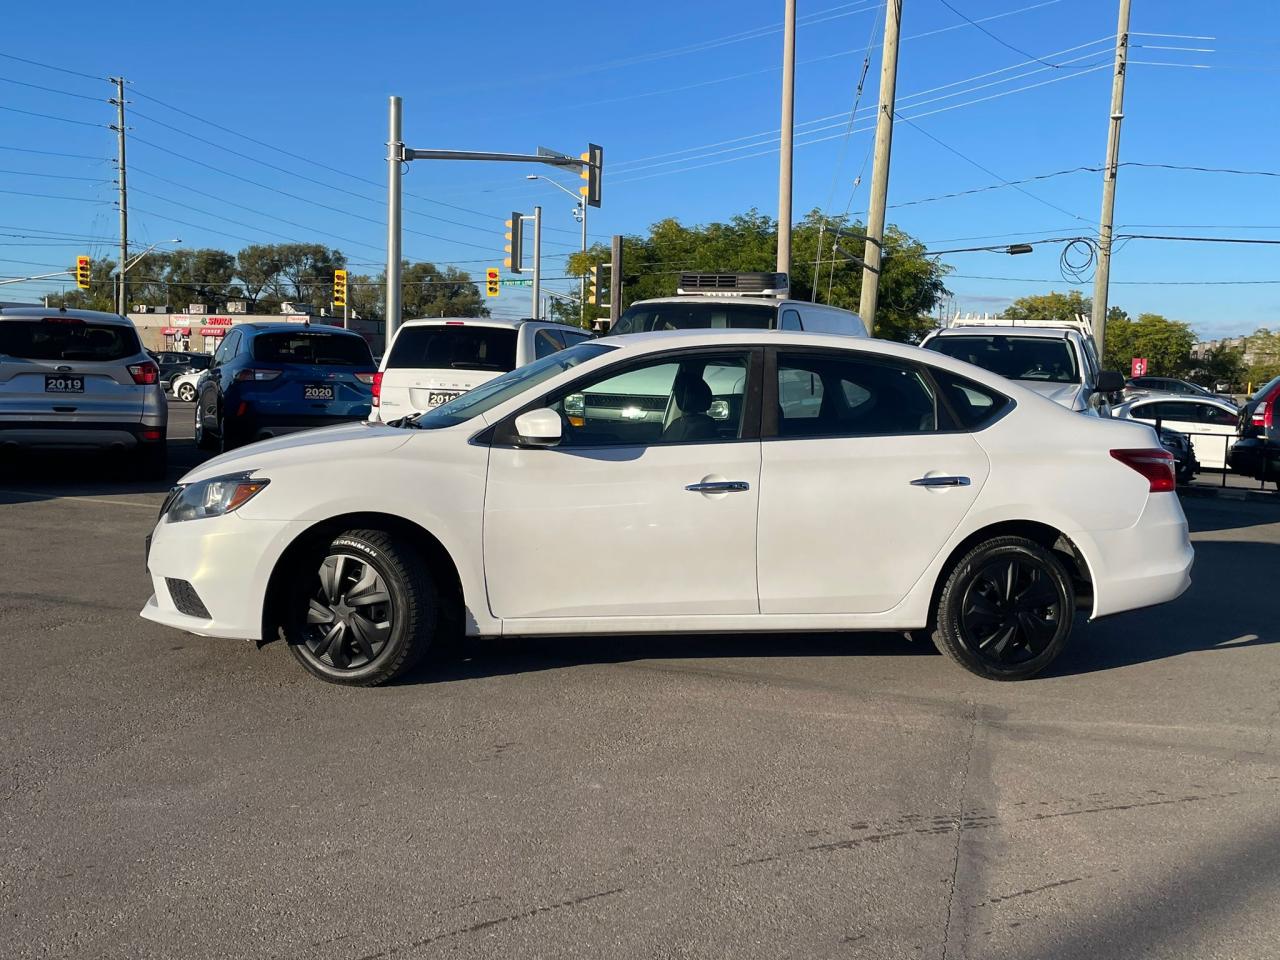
x=973, y=405
x=65, y=338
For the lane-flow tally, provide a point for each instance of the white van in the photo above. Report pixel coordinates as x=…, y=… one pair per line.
x=432, y=361
x=735, y=301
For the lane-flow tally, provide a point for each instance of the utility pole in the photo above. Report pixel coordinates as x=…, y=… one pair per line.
x=788, y=135
x=122, y=303
x=395, y=154
x=615, y=280
x=537, y=263
x=1102, y=278
x=880, y=167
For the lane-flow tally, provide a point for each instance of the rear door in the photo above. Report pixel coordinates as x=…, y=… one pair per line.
x=68, y=369
x=430, y=364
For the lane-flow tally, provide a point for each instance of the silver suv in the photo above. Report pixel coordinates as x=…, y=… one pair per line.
x=79, y=380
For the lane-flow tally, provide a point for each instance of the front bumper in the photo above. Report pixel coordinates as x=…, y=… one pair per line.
x=1143, y=565
x=227, y=561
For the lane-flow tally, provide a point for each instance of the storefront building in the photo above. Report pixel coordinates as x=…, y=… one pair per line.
x=202, y=332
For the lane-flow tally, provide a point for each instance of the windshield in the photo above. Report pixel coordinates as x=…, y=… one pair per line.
x=67, y=338
x=695, y=315
x=1042, y=359
x=325, y=348
x=501, y=389
x=454, y=346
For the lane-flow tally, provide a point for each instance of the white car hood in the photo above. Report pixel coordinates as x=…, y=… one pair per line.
x=345, y=441
x=1069, y=395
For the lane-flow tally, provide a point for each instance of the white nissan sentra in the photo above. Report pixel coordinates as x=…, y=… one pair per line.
x=723, y=481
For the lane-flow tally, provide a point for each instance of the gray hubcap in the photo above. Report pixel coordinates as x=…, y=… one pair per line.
x=349, y=615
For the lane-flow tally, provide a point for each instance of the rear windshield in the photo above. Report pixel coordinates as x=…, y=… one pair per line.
x=1263, y=390
x=695, y=315
x=454, y=347
x=326, y=348
x=67, y=338
x=1042, y=359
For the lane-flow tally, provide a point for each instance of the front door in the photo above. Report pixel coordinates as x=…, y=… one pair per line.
x=646, y=507
x=860, y=489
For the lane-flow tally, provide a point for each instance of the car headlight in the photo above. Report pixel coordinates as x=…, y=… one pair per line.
x=214, y=497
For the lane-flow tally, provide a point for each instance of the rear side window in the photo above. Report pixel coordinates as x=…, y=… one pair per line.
x=325, y=348
x=67, y=338
x=546, y=342
x=449, y=347
x=830, y=395
x=973, y=405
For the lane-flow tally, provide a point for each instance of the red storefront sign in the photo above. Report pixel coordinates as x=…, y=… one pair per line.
x=1138, y=367
x=169, y=331
x=213, y=331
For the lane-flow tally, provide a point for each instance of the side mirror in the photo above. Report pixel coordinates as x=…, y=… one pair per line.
x=539, y=428
x=1110, y=381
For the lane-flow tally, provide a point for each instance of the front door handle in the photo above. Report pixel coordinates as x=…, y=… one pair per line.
x=719, y=486
x=940, y=482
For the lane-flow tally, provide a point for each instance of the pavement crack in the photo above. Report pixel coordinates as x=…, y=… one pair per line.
x=959, y=820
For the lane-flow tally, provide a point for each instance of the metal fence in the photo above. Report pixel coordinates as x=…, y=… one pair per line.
x=1226, y=439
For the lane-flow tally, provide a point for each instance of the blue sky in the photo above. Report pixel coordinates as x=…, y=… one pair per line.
x=684, y=98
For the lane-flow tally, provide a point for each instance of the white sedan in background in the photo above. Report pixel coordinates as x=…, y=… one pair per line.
x=1210, y=423
x=183, y=386
x=786, y=482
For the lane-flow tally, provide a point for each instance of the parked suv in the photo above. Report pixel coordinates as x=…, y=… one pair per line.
x=272, y=378
x=432, y=361
x=173, y=363
x=1056, y=360
x=1257, y=453
x=78, y=380
x=735, y=301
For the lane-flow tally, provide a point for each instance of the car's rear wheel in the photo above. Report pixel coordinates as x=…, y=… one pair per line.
x=203, y=440
x=362, y=610
x=1006, y=609
x=186, y=392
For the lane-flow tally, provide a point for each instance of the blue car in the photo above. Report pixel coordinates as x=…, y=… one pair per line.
x=272, y=378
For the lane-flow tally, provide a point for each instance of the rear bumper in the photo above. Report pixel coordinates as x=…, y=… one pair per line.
x=1255, y=457
x=79, y=435
x=1143, y=565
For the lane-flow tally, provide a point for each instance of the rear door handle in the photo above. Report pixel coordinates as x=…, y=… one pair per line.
x=719, y=486
x=940, y=482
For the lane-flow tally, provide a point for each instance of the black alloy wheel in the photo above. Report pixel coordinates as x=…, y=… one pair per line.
x=361, y=610
x=350, y=616
x=1010, y=611
x=1006, y=609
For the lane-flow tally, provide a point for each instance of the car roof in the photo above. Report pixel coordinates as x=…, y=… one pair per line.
x=976, y=330
x=709, y=298
x=496, y=322
x=40, y=313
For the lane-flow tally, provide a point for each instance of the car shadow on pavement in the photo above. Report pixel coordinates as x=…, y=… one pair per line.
x=477, y=658
x=28, y=477
x=1229, y=605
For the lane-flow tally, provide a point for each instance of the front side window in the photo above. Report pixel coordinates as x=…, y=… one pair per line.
x=1038, y=359
x=826, y=395
x=691, y=399
x=723, y=314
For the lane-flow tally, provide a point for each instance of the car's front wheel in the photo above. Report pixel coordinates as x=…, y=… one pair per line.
x=362, y=610
x=186, y=392
x=1006, y=609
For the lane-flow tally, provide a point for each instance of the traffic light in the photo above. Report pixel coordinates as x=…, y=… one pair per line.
x=592, y=170
x=492, y=282
x=515, y=243
x=82, y=272
x=593, y=285
x=339, y=288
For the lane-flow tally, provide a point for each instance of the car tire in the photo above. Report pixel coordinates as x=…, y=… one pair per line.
x=227, y=438
x=186, y=392
x=1006, y=609
x=203, y=440
x=362, y=610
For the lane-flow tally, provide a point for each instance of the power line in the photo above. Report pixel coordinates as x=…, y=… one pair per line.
x=53, y=196
x=1002, y=42
x=49, y=116
x=54, y=153
x=49, y=66
x=65, y=93
x=1142, y=283
x=51, y=176
x=1176, y=166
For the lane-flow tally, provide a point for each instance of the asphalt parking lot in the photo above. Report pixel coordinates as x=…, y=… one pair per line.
x=163, y=795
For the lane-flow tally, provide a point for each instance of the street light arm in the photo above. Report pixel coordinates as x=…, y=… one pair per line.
x=134, y=262
x=559, y=186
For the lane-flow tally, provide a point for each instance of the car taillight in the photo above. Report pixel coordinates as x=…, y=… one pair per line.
x=365, y=377
x=145, y=373
x=1155, y=465
x=377, y=389
x=1268, y=410
x=251, y=374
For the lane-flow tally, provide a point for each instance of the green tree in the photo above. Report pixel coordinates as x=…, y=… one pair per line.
x=306, y=272
x=1222, y=364
x=201, y=276
x=100, y=295
x=1263, y=350
x=1166, y=344
x=1052, y=307
x=258, y=267
x=431, y=292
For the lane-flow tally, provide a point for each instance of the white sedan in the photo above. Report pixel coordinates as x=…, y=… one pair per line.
x=184, y=385
x=1209, y=422
x=683, y=482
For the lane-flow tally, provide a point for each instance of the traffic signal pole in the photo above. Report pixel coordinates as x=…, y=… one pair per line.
x=398, y=154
